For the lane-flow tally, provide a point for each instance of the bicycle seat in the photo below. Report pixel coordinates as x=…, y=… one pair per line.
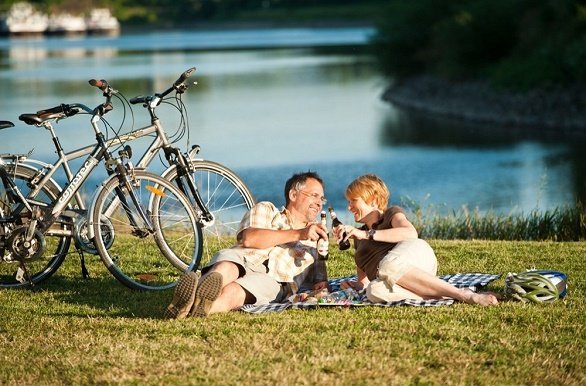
x=30, y=119
x=6, y=124
x=58, y=112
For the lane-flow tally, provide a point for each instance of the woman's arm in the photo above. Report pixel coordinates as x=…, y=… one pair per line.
x=402, y=229
x=358, y=284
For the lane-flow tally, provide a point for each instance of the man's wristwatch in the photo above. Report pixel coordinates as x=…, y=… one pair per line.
x=371, y=233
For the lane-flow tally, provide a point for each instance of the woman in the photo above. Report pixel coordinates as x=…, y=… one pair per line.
x=391, y=261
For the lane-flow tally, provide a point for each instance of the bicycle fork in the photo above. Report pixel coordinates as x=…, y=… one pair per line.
x=184, y=170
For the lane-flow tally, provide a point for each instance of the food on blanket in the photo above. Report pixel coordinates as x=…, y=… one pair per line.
x=342, y=296
x=308, y=297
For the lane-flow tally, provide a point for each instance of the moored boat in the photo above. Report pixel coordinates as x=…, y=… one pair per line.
x=66, y=24
x=24, y=19
x=101, y=21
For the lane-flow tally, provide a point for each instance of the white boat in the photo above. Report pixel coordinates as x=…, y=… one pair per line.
x=23, y=19
x=66, y=24
x=101, y=21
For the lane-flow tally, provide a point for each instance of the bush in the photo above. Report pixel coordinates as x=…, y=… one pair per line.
x=518, y=44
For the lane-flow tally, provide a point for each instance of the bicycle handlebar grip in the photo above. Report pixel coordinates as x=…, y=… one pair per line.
x=61, y=109
x=101, y=84
x=137, y=100
x=184, y=76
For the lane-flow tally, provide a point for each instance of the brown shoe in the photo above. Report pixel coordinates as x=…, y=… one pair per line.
x=183, y=297
x=206, y=294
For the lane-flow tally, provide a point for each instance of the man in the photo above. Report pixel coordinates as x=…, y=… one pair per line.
x=275, y=254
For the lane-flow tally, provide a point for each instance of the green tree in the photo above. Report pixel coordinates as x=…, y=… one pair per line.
x=512, y=43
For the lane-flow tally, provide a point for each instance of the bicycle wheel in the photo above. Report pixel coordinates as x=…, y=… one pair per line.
x=56, y=239
x=140, y=256
x=226, y=196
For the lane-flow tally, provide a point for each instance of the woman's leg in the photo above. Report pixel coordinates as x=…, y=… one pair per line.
x=409, y=272
x=431, y=287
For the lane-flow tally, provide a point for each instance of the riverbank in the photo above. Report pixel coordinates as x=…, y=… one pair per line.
x=557, y=110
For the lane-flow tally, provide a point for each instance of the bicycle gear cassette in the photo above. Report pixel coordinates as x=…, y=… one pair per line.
x=23, y=249
x=82, y=239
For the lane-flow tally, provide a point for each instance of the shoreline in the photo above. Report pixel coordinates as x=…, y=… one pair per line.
x=560, y=110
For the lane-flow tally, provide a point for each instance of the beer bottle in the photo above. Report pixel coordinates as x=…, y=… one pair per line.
x=343, y=244
x=323, y=244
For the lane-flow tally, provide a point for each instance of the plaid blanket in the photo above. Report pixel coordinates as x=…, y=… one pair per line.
x=473, y=281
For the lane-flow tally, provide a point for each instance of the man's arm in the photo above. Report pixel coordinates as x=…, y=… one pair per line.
x=265, y=238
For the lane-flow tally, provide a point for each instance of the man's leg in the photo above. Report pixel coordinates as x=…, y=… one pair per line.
x=251, y=288
x=183, y=296
x=217, y=291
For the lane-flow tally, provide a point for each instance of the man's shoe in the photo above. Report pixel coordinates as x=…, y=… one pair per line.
x=183, y=297
x=206, y=294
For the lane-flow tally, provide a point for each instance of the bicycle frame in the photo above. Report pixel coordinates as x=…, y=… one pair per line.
x=97, y=153
x=159, y=142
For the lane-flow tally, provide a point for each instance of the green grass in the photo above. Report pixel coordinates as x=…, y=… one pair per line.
x=74, y=331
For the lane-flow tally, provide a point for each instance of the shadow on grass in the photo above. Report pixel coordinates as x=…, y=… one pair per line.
x=102, y=296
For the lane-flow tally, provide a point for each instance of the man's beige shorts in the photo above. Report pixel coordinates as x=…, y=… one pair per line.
x=254, y=279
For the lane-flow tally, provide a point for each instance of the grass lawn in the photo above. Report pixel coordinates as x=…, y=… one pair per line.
x=69, y=330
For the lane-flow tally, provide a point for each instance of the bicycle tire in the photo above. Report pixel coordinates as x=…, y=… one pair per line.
x=41, y=268
x=146, y=260
x=226, y=196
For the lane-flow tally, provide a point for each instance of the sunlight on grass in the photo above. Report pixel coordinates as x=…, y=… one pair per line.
x=74, y=331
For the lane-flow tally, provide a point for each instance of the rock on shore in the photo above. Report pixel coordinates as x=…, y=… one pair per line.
x=560, y=110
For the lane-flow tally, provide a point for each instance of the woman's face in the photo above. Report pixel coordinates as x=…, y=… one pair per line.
x=359, y=208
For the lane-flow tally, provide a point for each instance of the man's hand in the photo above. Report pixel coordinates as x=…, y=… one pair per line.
x=313, y=232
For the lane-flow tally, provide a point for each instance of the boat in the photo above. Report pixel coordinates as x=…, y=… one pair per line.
x=101, y=21
x=24, y=19
x=66, y=24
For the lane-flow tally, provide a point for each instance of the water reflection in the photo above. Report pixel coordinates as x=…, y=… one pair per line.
x=268, y=113
x=542, y=158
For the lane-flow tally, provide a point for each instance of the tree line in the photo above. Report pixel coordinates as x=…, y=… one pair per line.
x=515, y=44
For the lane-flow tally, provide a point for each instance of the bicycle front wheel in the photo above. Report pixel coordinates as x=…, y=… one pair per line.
x=57, y=238
x=225, y=195
x=147, y=236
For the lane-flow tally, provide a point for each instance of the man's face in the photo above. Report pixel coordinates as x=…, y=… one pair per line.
x=308, y=201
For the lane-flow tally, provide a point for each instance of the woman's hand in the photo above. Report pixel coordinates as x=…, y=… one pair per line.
x=320, y=285
x=351, y=232
x=351, y=284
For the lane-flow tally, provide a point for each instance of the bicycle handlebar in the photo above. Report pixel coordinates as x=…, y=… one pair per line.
x=101, y=84
x=184, y=76
x=178, y=86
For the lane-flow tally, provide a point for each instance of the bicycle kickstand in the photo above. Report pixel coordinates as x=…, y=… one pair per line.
x=22, y=274
x=84, y=272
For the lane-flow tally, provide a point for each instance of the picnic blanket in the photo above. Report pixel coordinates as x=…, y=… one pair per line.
x=472, y=281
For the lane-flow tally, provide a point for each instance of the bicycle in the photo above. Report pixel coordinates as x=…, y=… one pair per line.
x=218, y=195
x=132, y=207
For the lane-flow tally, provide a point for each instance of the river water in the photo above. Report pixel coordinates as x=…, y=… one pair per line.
x=269, y=103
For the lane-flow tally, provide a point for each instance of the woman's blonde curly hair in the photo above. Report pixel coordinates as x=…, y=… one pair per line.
x=371, y=189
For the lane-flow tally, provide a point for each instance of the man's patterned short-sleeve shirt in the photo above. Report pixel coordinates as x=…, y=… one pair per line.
x=285, y=261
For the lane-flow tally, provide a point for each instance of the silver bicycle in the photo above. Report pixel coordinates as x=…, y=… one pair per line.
x=142, y=226
x=219, y=197
x=218, y=194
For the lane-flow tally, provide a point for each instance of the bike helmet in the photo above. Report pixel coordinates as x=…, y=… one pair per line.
x=538, y=286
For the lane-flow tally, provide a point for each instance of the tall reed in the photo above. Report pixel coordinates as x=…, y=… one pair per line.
x=559, y=224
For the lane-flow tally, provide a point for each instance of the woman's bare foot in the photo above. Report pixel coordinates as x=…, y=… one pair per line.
x=481, y=298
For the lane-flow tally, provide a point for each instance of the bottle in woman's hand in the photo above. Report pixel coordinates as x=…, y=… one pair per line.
x=342, y=244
